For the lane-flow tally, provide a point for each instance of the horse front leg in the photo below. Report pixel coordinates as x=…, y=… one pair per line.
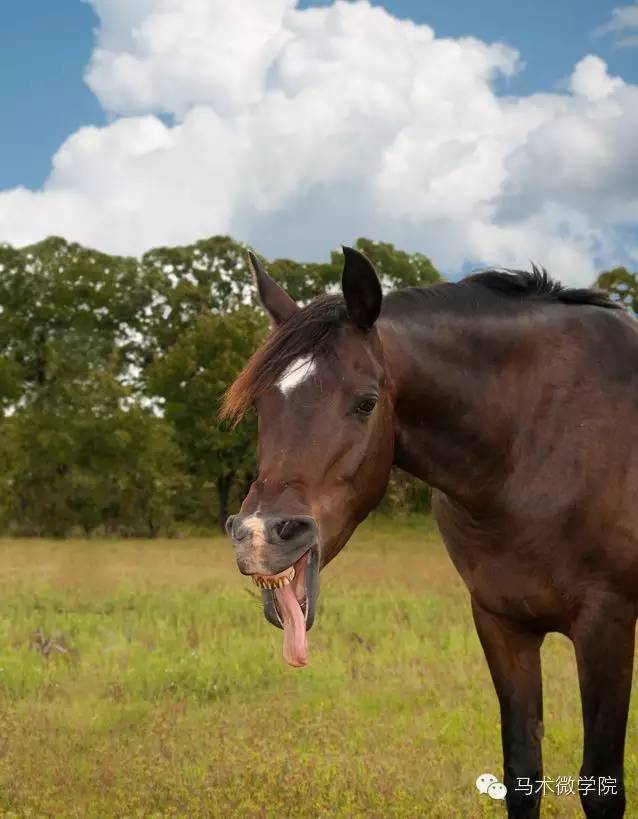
x=603, y=637
x=513, y=656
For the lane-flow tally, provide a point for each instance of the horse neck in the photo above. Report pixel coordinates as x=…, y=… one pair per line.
x=455, y=381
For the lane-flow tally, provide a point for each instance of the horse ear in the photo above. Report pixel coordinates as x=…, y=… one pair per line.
x=275, y=301
x=361, y=288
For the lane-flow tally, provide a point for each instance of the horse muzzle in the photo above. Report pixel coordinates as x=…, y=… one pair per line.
x=281, y=555
x=269, y=546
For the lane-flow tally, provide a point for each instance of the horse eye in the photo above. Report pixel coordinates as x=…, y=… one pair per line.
x=365, y=406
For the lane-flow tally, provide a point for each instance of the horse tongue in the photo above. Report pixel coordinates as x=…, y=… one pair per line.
x=295, y=641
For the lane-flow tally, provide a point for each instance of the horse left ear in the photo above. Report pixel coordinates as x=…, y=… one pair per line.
x=275, y=301
x=361, y=288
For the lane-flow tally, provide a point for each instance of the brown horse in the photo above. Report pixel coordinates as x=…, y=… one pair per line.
x=517, y=400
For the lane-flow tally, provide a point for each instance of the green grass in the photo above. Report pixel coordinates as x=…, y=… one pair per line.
x=139, y=678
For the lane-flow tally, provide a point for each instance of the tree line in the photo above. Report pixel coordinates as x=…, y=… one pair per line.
x=111, y=374
x=112, y=370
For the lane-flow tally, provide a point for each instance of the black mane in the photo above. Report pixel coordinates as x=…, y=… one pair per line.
x=537, y=284
x=495, y=289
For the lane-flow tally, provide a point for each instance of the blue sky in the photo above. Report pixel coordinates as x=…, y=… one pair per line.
x=47, y=43
x=479, y=133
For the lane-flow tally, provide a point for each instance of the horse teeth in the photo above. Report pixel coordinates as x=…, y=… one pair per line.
x=273, y=582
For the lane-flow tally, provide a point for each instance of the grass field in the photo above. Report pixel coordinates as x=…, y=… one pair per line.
x=139, y=678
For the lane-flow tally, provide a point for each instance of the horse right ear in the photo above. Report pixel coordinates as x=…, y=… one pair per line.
x=274, y=299
x=361, y=288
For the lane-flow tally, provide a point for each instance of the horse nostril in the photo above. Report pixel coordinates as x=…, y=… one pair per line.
x=235, y=528
x=288, y=529
x=229, y=524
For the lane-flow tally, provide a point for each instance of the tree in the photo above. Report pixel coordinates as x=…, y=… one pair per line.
x=191, y=378
x=12, y=266
x=621, y=285
x=210, y=277
x=72, y=330
x=63, y=302
x=88, y=456
x=205, y=327
x=396, y=267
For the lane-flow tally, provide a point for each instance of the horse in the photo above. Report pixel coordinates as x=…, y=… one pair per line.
x=516, y=399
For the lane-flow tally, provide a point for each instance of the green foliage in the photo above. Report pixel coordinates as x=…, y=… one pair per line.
x=66, y=309
x=78, y=449
x=205, y=327
x=621, y=285
x=406, y=495
x=396, y=267
x=304, y=281
x=210, y=277
x=78, y=458
x=191, y=379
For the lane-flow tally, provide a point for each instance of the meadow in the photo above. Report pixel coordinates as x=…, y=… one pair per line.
x=139, y=679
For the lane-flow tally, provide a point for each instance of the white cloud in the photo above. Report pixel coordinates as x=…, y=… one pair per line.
x=171, y=55
x=297, y=130
x=623, y=19
x=591, y=80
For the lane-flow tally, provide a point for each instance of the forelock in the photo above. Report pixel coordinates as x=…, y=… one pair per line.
x=309, y=333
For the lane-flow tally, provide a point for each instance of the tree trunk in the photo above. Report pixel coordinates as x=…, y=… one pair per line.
x=224, y=485
x=248, y=480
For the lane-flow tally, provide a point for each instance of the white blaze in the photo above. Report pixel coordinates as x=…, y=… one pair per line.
x=296, y=373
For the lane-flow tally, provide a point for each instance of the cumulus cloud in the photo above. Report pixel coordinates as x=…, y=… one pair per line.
x=172, y=55
x=296, y=130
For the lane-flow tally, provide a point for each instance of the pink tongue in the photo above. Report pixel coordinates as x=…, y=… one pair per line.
x=295, y=642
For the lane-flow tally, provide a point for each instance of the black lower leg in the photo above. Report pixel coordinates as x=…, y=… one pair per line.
x=604, y=640
x=513, y=655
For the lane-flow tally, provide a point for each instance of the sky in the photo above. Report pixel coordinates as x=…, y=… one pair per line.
x=478, y=133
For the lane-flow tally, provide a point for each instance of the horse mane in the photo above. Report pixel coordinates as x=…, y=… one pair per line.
x=497, y=290
x=312, y=329
x=537, y=284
